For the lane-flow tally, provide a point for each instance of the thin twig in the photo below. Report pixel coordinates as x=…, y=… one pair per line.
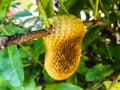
x=98, y=86
x=98, y=23
x=19, y=38
x=113, y=82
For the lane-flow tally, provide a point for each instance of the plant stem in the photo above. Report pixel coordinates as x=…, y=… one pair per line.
x=3, y=30
x=113, y=82
x=92, y=4
x=30, y=54
x=109, y=53
x=96, y=10
x=63, y=6
x=41, y=9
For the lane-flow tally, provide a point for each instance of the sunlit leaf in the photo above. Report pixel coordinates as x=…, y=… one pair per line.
x=116, y=85
x=45, y=3
x=62, y=86
x=98, y=72
x=49, y=9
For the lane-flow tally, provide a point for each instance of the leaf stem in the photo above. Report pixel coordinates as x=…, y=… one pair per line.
x=109, y=53
x=92, y=4
x=3, y=30
x=63, y=6
x=113, y=82
x=42, y=11
x=96, y=9
x=30, y=54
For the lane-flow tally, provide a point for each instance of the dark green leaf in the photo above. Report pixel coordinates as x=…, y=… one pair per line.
x=98, y=72
x=81, y=5
x=62, y=86
x=10, y=66
x=113, y=17
x=91, y=35
x=68, y=4
x=72, y=79
x=101, y=49
x=21, y=14
x=114, y=49
x=47, y=77
x=38, y=48
x=82, y=68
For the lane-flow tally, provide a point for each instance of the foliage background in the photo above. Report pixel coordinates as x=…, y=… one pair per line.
x=99, y=68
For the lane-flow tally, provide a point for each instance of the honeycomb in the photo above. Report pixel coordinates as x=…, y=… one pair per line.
x=63, y=46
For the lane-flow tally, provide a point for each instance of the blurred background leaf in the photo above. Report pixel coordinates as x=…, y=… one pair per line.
x=62, y=86
x=4, y=6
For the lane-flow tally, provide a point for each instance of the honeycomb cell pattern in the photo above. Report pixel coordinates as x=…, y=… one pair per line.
x=63, y=46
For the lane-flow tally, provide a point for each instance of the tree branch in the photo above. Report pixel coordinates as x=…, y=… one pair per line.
x=19, y=38
x=98, y=23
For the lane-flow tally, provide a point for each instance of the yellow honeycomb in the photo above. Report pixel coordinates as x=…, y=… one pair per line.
x=63, y=46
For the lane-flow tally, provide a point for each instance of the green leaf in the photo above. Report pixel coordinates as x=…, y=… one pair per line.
x=101, y=49
x=115, y=52
x=21, y=14
x=39, y=88
x=4, y=6
x=45, y=3
x=81, y=5
x=98, y=72
x=38, y=48
x=62, y=86
x=12, y=29
x=91, y=35
x=82, y=68
x=47, y=77
x=49, y=9
x=10, y=66
x=68, y=4
x=72, y=79
x=48, y=5
x=3, y=84
x=114, y=49
x=116, y=86
x=29, y=84
x=106, y=4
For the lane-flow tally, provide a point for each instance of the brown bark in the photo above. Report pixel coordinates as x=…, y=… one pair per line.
x=19, y=38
